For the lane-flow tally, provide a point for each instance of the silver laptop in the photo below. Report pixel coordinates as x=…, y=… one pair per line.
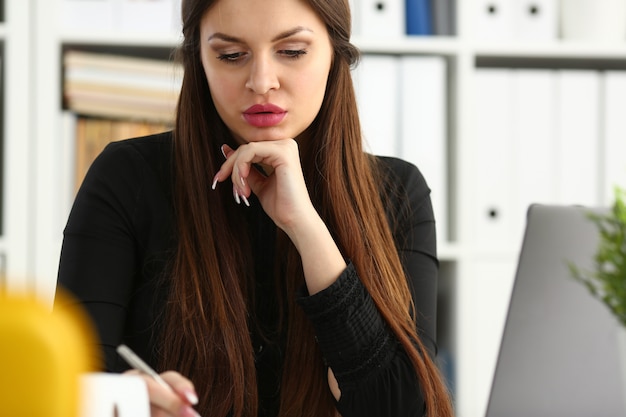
x=559, y=351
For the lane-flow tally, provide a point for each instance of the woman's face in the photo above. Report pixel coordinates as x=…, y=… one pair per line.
x=267, y=64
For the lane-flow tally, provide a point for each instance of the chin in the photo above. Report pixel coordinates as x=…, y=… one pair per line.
x=266, y=135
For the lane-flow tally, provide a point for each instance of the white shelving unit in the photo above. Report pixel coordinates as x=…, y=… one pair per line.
x=17, y=234
x=39, y=159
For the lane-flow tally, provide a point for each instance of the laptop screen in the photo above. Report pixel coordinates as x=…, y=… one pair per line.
x=559, y=353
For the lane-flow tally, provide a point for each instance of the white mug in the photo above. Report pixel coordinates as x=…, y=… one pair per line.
x=109, y=395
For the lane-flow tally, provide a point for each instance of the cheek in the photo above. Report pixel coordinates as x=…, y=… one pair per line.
x=223, y=91
x=315, y=85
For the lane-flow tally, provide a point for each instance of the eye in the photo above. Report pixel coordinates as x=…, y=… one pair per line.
x=231, y=58
x=293, y=53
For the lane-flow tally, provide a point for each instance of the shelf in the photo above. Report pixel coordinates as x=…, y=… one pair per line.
x=552, y=50
x=122, y=38
x=427, y=45
x=439, y=45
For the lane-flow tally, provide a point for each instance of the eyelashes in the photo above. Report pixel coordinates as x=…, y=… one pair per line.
x=236, y=57
x=294, y=53
x=231, y=58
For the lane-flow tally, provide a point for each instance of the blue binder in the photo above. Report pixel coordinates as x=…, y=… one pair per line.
x=418, y=17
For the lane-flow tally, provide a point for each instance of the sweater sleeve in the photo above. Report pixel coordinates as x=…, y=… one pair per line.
x=109, y=258
x=374, y=373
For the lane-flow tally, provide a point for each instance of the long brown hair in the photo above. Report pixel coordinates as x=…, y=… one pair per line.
x=206, y=321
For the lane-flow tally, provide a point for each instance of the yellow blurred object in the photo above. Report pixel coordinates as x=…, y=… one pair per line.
x=43, y=353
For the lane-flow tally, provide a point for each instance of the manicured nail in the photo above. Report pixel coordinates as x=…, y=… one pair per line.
x=223, y=151
x=189, y=412
x=243, y=181
x=236, y=195
x=191, y=397
x=245, y=200
x=215, y=179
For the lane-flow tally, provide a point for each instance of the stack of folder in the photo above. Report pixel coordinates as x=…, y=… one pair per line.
x=121, y=86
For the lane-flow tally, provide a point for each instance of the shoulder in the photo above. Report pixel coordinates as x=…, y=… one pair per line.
x=132, y=156
x=405, y=195
x=400, y=176
x=148, y=148
x=127, y=166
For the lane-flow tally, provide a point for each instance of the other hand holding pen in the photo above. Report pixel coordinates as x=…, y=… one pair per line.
x=170, y=393
x=177, y=401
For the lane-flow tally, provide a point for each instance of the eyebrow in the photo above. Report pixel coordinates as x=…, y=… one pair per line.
x=280, y=36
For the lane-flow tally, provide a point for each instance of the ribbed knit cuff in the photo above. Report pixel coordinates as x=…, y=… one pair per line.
x=352, y=335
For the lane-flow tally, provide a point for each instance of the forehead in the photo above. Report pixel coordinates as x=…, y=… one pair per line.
x=260, y=18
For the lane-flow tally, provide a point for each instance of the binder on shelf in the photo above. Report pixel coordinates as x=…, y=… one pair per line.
x=537, y=135
x=535, y=19
x=355, y=15
x=492, y=158
x=125, y=15
x=533, y=142
x=88, y=14
x=132, y=15
x=380, y=18
x=614, y=126
x=578, y=135
x=377, y=86
x=493, y=19
x=593, y=20
x=423, y=127
x=419, y=17
x=444, y=17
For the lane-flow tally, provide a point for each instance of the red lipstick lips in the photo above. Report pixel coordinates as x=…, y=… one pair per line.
x=264, y=115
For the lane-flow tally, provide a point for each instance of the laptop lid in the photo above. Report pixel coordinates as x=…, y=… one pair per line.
x=559, y=350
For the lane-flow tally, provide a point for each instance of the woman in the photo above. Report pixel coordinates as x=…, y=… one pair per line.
x=250, y=249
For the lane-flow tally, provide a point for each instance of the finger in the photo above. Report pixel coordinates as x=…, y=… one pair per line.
x=182, y=386
x=170, y=402
x=226, y=150
x=238, y=167
x=226, y=168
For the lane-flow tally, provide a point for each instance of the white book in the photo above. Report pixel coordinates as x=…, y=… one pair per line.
x=380, y=18
x=492, y=158
x=423, y=127
x=614, y=126
x=578, y=136
x=377, y=92
x=535, y=19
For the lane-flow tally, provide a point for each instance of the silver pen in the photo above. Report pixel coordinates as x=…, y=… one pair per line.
x=137, y=363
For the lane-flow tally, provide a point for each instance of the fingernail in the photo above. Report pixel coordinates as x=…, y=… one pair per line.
x=189, y=412
x=245, y=200
x=223, y=151
x=215, y=179
x=236, y=195
x=243, y=181
x=191, y=397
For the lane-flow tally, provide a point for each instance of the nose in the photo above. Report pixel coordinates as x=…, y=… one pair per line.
x=263, y=76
